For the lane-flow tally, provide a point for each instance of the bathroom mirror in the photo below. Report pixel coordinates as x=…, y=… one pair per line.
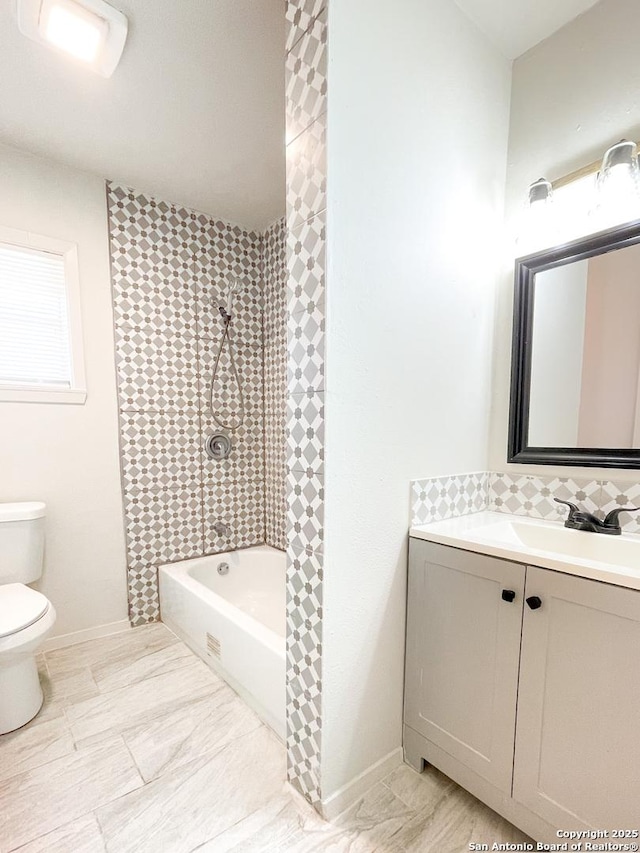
x=575, y=372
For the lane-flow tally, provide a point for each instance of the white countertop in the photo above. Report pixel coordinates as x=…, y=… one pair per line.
x=547, y=544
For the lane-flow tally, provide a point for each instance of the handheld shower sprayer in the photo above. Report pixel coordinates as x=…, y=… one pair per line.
x=225, y=312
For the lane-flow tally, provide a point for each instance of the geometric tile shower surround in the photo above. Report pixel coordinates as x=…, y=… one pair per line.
x=439, y=498
x=306, y=104
x=171, y=268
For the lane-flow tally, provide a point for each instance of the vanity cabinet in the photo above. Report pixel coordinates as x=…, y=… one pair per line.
x=535, y=711
x=577, y=757
x=463, y=648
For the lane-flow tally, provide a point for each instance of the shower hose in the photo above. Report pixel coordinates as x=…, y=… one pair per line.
x=226, y=336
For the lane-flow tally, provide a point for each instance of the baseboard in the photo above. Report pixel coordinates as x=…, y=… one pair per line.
x=64, y=640
x=346, y=796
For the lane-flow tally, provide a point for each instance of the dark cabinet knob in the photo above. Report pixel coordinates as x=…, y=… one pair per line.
x=534, y=602
x=508, y=595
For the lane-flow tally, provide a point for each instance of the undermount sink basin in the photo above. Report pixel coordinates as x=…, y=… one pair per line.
x=613, y=559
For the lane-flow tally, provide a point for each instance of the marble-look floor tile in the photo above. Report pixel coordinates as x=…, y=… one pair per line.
x=458, y=820
x=375, y=820
x=34, y=745
x=183, y=809
x=70, y=687
x=420, y=791
x=214, y=774
x=142, y=702
x=110, y=675
x=48, y=797
x=194, y=729
x=112, y=658
x=287, y=824
x=80, y=836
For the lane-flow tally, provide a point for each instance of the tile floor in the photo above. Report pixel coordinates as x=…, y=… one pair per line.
x=140, y=747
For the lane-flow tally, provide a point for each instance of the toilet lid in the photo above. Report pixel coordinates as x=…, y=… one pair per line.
x=20, y=607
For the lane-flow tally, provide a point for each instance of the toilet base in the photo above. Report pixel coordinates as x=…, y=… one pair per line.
x=20, y=693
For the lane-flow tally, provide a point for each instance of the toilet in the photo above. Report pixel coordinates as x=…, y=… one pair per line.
x=26, y=616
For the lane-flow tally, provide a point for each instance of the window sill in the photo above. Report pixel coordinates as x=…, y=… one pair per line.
x=72, y=396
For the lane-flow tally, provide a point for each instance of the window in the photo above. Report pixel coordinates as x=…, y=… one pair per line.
x=40, y=335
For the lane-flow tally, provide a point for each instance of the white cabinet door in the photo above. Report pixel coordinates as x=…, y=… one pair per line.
x=577, y=761
x=463, y=645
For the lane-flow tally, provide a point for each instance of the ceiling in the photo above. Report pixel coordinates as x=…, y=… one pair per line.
x=515, y=26
x=194, y=113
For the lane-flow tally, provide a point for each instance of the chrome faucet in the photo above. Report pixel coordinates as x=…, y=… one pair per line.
x=580, y=519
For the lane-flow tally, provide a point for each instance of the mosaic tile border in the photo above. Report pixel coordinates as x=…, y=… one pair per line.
x=274, y=260
x=306, y=93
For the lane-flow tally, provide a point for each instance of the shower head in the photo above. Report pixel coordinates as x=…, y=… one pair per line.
x=227, y=310
x=233, y=285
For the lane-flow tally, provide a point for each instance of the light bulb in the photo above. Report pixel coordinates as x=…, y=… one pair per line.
x=538, y=223
x=73, y=29
x=619, y=185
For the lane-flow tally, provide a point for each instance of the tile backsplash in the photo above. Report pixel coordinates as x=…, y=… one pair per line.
x=439, y=498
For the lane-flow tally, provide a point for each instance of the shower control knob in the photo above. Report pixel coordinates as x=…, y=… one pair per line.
x=217, y=445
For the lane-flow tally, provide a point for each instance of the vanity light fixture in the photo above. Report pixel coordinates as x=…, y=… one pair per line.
x=90, y=31
x=618, y=186
x=537, y=226
x=540, y=193
x=598, y=196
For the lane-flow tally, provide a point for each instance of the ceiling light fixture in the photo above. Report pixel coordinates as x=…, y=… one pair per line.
x=90, y=31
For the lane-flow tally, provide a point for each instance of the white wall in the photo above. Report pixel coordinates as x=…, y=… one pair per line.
x=573, y=95
x=67, y=455
x=418, y=114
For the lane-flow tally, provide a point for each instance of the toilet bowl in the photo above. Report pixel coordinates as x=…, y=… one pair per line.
x=25, y=621
x=26, y=616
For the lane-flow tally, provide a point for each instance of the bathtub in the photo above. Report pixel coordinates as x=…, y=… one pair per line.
x=235, y=622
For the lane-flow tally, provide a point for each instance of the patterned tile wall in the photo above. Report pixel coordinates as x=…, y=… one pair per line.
x=533, y=496
x=306, y=94
x=171, y=269
x=275, y=380
x=439, y=498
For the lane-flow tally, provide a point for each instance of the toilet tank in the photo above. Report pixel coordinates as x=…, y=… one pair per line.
x=21, y=541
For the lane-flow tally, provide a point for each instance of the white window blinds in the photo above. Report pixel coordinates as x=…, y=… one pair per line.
x=35, y=346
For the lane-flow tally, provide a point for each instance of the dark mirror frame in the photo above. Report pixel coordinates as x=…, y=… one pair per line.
x=526, y=269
